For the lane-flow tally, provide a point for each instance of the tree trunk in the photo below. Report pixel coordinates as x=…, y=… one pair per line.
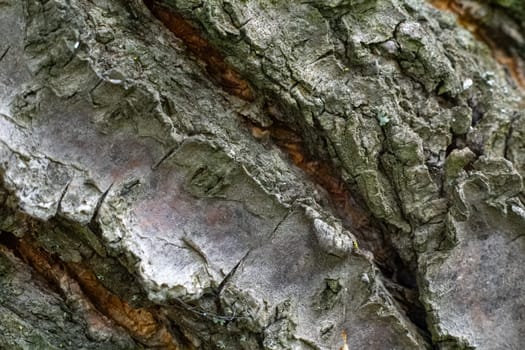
x=262, y=174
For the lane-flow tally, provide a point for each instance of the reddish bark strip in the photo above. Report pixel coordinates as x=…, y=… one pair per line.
x=321, y=173
x=78, y=283
x=219, y=70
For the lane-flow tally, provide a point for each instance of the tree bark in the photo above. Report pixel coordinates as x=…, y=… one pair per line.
x=262, y=174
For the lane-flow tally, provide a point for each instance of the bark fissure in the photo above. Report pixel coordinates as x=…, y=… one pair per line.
x=2, y=56
x=219, y=71
x=92, y=222
x=77, y=282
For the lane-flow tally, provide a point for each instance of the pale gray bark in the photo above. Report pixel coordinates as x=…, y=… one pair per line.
x=124, y=157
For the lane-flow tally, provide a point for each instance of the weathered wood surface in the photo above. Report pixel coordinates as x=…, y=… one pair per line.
x=258, y=175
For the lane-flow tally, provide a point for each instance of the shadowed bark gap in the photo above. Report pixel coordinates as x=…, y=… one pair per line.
x=219, y=70
x=76, y=282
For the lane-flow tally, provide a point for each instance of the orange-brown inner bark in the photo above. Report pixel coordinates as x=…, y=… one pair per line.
x=218, y=69
x=77, y=282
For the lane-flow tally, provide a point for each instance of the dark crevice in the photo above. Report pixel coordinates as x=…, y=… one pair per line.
x=446, y=100
x=93, y=224
x=478, y=110
x=230, y=274
x=2, y=56
x=169, y=153
x=458, y=142
x=10, y=241
x=400, y=280
x=62, y=195
x=477, y=147
x=74, y=281
x=508, y=136
x=452, y=146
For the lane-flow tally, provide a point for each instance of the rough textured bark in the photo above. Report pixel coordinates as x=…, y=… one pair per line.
x=261, y=174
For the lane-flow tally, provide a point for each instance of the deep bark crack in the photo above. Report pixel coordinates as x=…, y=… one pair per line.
x=79, y=282
x=216, y=67
x=2, y=56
